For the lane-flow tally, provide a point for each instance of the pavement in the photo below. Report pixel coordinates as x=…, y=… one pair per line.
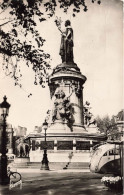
x=61, y=182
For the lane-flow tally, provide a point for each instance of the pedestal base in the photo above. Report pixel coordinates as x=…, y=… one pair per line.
x=59, y=128
x=63, y=128
x=93, y=129
x=21, y=160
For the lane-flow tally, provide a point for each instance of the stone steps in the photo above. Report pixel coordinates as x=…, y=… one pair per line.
x=53, y=165
x=77, y=165
x=37, y=165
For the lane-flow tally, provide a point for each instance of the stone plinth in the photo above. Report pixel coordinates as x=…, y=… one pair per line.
x=21, y=160
x=60, y=156
x=60, y=144
x=61, y=127
x=58, y=127
x=92, y=129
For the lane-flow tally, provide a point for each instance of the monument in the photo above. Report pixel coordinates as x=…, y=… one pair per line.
x=71, y=127
x=22, y=154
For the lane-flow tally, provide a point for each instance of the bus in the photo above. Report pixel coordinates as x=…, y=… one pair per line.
x=107, y=158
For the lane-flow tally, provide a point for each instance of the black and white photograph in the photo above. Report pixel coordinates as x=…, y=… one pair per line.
x=61, y=97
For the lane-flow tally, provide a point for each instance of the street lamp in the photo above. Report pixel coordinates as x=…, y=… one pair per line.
x=45, y=161
x=4, y=179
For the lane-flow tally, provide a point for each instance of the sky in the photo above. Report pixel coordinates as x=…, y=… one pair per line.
x=98, y=52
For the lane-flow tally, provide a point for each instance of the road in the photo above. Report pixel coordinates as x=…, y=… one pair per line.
x=59, y=183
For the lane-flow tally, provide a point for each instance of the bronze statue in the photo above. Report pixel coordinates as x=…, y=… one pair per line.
x=23, y=149
x=88, y=116
x=67, y=44
x=63, y=109
x=59, y=109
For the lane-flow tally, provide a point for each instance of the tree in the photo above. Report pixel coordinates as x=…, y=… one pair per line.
x=22, y=41
x=106, y=124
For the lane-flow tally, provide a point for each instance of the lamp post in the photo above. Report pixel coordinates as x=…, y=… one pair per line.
x=4, y=179
x=45, y=161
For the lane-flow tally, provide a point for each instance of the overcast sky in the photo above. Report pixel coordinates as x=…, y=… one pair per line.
x=97, y=52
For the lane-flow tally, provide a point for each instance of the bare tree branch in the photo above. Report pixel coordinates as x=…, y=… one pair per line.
x=6, y=22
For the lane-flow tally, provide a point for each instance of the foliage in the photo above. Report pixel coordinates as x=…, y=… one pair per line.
x=22, y=41
x=106, y=124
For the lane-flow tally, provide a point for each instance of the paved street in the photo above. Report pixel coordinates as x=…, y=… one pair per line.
x=59, y=183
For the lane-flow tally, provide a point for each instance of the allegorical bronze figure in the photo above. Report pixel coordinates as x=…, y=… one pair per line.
x=67, y=44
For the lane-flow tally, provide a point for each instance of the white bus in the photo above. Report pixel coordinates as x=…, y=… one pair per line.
x=106, y=159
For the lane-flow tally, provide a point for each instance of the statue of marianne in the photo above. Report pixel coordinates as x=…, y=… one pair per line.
x=66, y=47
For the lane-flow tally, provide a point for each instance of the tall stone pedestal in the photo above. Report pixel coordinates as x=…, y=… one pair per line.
x=68, y=79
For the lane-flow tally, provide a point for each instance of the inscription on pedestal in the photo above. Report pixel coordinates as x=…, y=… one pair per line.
x=65, y=145
x=48, y=144
x=80, y=145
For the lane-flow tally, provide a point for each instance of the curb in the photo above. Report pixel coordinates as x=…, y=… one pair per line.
x=53, y=171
